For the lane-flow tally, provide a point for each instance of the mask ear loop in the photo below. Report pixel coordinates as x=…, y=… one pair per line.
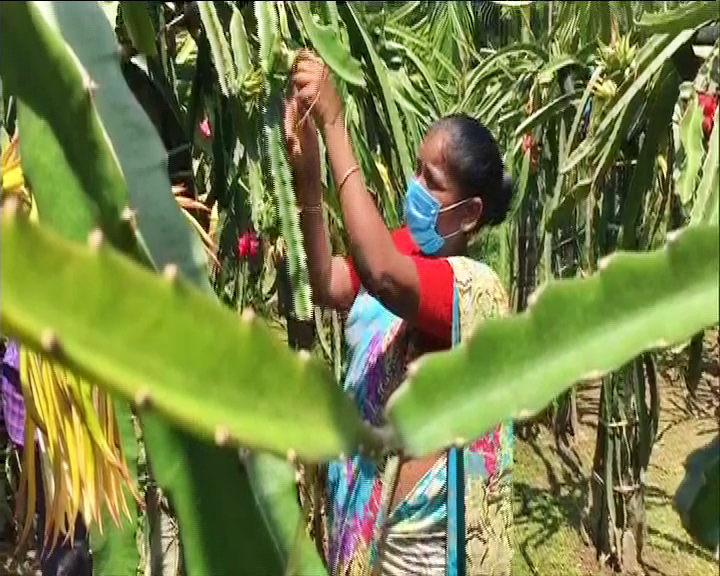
x=452, y=234
x=445, y=209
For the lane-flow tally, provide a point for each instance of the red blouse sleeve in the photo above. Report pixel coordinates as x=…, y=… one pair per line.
x=437, y=285
x=354, y=278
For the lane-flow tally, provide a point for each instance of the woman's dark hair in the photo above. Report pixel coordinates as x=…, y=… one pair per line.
x=474, y=162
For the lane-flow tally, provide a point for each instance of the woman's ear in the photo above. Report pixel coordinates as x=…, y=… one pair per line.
x=472, y=214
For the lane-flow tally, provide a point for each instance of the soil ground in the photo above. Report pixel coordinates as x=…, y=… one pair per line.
x=551, y=485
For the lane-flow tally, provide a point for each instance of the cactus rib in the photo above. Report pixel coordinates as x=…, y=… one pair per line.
x=139, y=27
x=279, y=167
x=240, y=45
x=576, y=329
x=25, y=29
x=140, y=151
x=690, y=15
x=267, y=31
x=705, y=207
x=289, y=222
x=240, y=373
x=222, y=59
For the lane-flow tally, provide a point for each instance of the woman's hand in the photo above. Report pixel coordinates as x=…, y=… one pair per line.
x=315, y=89
x=303, y=153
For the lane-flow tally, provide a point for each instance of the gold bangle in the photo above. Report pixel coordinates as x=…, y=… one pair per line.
x=346, y=176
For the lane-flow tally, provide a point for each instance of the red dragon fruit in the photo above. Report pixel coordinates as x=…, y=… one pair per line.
x=247, y=245
x=708, y=102
x=205, y=128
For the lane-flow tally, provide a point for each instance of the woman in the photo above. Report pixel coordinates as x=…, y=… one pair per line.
x=406, y=292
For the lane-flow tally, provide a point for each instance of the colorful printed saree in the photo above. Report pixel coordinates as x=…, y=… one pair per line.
x=462, y=508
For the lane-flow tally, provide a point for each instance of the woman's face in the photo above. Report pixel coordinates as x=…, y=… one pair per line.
x=432, y=172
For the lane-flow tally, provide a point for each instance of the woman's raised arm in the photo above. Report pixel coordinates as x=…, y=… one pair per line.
x=386, y=273
x=329, y=276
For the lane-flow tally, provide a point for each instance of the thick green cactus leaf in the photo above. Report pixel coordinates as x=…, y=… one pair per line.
x=115, y=551
x=659, y=114
x=691, y=137
x=378, y=69
x=221, y=56
x=287, y=208
x=139, y=27
x=289, y=221
x=273, y=483
x=697, y=499
x=166, y=231
x=221, y=524
x=70, y=209
x=650, y=59
x=71, y=212
x=26, y=28
x=548, y=111
x=705, y=207
x=329, y=45
x=134, y=142
x=575, y=329
x=240, y=44
x=240, y=383
x=64, y=203
x=268, y=35
x=690, y=15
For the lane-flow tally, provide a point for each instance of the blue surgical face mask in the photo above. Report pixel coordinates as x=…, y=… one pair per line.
x=421, y=214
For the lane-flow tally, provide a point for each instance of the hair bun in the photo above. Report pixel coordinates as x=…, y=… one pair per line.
x=501, y=208
x=507, y=182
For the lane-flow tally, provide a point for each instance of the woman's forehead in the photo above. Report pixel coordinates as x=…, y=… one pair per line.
x=433, y=157
x=432, y=148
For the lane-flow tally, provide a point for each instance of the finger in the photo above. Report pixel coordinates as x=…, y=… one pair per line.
x=289, y=118
x=302, y=109
x=298, y=105
x=301, y=124
x=292, y=110
x=292, y=142
x=293, y=147
x=305, y=98
x=308, y=126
